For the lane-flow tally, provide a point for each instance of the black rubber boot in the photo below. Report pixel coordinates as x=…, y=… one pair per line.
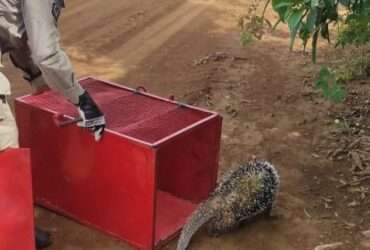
x=42, y=239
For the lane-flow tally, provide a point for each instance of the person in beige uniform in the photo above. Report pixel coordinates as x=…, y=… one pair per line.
x=28, y=32
x=8, y=128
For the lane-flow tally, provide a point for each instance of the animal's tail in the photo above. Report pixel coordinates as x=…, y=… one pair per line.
x=200, y=216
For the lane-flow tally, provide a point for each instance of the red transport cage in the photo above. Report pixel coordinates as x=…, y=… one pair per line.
x=157, y=160
x=16, y=205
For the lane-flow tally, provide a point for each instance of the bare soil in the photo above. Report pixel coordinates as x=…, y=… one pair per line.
x=191, y=49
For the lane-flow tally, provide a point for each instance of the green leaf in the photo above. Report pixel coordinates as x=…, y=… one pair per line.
x=246, y=38
x=315, y=3
x=324, y=72
x=325, y=32
x=314, y=44
x=312, y=19
x=304, y=34
x=329, y=86
x=333, y=13
x=322, y=81
x=337, y=94
x=345, y=2
x=294, y=23
x=281, y=7
x=287, y=14
x=294, y=18
x=329, y=4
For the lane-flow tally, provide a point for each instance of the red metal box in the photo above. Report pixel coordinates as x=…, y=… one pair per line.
x=16, y=205
x=156, y=161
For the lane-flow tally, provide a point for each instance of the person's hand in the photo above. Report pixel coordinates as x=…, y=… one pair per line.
x=92, y=117
x=97, y=130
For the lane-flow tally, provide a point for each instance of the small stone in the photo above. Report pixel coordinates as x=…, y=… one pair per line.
x=365, y=244
x=353, y=204
x=366, y=233
x=273, y=130
x=349, y=225
x=329, y=246
x=295, y=134
x=315, y=156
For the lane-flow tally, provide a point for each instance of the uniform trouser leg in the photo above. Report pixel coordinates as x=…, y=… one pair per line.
x=8, y=128
x=21, y=58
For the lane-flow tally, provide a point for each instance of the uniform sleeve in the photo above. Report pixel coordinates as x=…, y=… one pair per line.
x=40, y=18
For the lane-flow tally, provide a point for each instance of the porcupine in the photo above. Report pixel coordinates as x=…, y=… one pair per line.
x=240, y=196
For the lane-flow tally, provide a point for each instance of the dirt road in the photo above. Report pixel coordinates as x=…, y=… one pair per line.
x=258, y=90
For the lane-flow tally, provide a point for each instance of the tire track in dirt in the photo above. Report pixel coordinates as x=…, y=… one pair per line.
x=78, y=7
x=154, y=36
x=127, y=25
x=135, y=26
x=118, y=40
x=103, y=23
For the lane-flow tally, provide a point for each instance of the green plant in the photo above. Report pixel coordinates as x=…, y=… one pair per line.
x=356, y=28
x=252, y=25
x=354, y=67
x=246, y=38
x=329, y=86
x=310, y=19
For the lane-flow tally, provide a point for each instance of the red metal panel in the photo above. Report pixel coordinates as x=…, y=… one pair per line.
x=171, y=215
x=112, y=185
x=188, y=163
x=16, y=208
x=108, y=185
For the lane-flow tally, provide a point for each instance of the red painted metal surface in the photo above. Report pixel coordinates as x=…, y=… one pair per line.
x=156, y=161
x=16, y=205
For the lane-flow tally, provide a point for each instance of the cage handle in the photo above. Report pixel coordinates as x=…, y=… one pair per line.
x=141, y=89
x=171, y=97
x=60, y=120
